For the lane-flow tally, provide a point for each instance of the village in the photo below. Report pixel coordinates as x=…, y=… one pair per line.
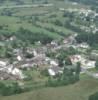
x=46, y=57
x=57, y=54
x=48, y=49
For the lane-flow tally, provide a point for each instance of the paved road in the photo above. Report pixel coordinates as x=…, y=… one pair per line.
x=26, y=6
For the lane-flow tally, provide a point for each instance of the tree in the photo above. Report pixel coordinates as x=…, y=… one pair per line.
x=96, y=64
x=78, y=70
x=61, y=57
x=11, y=89
x=68, y=61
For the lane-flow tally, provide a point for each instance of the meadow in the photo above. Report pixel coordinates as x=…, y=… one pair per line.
x=79, y=91
x=11, y=19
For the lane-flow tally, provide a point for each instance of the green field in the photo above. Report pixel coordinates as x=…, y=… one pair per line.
x=14, y=18
x=78, y=91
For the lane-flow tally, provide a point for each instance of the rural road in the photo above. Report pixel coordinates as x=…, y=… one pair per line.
x=25, y=6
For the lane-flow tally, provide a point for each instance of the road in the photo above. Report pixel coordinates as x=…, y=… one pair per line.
x=25, y=6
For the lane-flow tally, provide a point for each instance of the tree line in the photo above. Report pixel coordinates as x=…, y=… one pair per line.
x=90, y=38
x=69, y=76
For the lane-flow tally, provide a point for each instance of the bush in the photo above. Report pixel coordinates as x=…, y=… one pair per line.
x=94, y=96
x=45, y=72
x=11, y=89
x=32, y=37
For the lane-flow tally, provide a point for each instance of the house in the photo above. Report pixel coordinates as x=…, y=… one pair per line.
x=10, y=69
x=54, y=62
x=19, y=58
x=53, y=71
x=5, y=76
x=12, y=38
x=35, y=53
x=54, y=43
x=62, y=9
x=39, y=51
x=83, y=45
x=85, y=63
x=65, y=41
x=74, y=3
x=94, y=55
x=38, y=43
x=24, y=64
x=2, y=63
x=76, y=58
x=95, y=75
x=18, y=73
x=15, y=51
x=39, y=60
x=30, y=50
x=18, y=54
x=28, y=65
x=9, y=72
x=70, y=39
